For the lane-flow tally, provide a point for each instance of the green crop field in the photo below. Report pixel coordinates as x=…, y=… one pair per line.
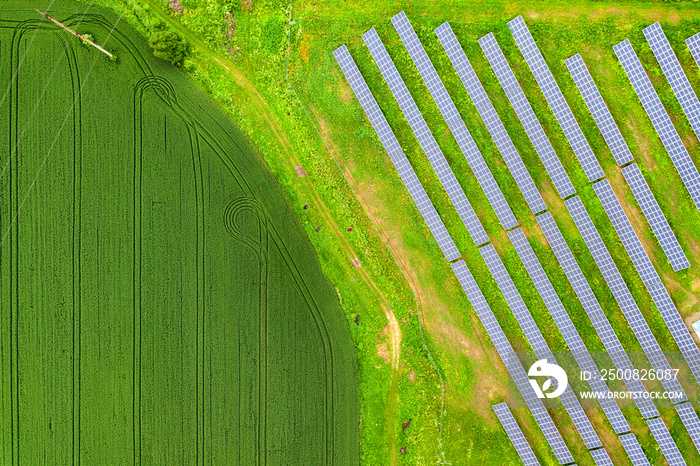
x=159, y=301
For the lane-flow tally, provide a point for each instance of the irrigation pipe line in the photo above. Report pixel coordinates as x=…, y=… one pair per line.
x=391, y=253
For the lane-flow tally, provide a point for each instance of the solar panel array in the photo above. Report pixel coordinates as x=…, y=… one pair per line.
x=425, y=137
x=527, y=117
x=454, y=121
x=663, y=438
x=594, y=311
x=651, y=279
x=515, y=434
x=677, y=327
x=660, y=119
x=691, y=422
x=537, y=341
x=601, y=457
x=693, y=44
x=620, y=291
x=634, y=450
x=398, y=158
x=596, y=105
x=566, y=327
x=491, y=119
x=555, y=99
x=674, y=73
x=515, y=368
x=656, y=218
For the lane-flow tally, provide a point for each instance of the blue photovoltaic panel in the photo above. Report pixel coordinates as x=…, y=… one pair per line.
x=643, y=264
x=657, y=220
x=425, y=137
x=515, y=434
x=601, y=113
x=537, y=341
x=555, y=99
x=595, y=312
x=527, y=117
x=634, y=450
x=566, y=327
x=624, y=229
x=601, y=457
x=454, y=121
x=693, y=44
x=677, y=327
x=621, y=292
x=674, y=73
x=663, y=438
x=515, y=368
x=491, y=119
x=660, y=119
x=386, y=136
x=691, y=422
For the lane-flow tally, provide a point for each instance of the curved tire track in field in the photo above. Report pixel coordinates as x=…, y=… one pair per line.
x=259, y=245
x=18, y=33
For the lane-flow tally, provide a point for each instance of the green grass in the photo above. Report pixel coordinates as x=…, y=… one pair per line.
x=350, y=182
x=160, y=301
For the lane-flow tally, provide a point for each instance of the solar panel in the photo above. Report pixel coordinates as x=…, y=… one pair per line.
x=490, y=118
x=601, y=457
x=693, y=44
x=425, y=137
x=515, y=434
x=537, y=341
x=388, y=140
x=594, y=311
x=566, y=327
x=674, y=73
x=663, y=438
x=657, y=220
x=526, y=115
x=676, y=326
x=634, y=450
x=621, y=292
x=555, y=99
x=601, y=113
x=660, y=119
x=691, y=422
x=454, y=121
x=624, y=229
x=515, y=368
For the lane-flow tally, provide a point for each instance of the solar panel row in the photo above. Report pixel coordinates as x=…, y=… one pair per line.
x=643, y=264
x=566, y=327
x=674, y=73
x=693, y=44
x=691, y=422
x=601, y=457
x=634, y=450
x=555, y=99
x=596, y=105
x=663, y=438
x=425, y=137
x=491, y=119
x=660, y=119
x=594, y=311
x=621, y=292
x=515, y=368
x=657, y=220
x=515, y=434
x=537, y=341
x=388, y=140
x=457, y=127
x=526, y=115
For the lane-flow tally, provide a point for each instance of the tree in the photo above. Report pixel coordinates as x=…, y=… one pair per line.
x=170, y=46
